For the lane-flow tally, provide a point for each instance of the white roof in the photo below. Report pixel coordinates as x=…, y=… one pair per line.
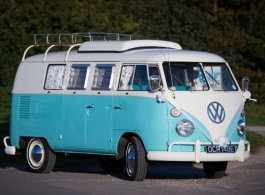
x=119, y=46
x=127, y=51
x=142, y=55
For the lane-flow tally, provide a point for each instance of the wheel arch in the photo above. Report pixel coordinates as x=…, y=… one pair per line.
x=123, y=141
x=23, y=142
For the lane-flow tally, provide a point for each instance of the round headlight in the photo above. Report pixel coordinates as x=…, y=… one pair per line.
x=241, y=128
x=184, y=128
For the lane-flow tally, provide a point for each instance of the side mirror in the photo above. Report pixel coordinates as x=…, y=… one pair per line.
x=245, y=82
x=155, y=81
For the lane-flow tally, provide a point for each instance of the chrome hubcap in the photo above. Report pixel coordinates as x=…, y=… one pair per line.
x=36, y=153
x=130, y=159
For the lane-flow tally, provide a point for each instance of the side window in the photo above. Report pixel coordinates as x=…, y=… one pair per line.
x=78, y=76
x=134, y=77
x=55, y=77
x=103, y=76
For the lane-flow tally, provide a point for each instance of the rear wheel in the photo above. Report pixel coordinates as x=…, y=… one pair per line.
x=136, y=163
x=110, y=164
x=40, y=158
x=214, y=170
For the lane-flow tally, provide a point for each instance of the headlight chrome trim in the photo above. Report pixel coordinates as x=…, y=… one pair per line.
x=185, y=128
x=241, y=128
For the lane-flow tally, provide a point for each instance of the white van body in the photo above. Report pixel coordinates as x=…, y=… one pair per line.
x=130, y=102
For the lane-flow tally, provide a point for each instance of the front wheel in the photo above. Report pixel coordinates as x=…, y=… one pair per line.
x=136, y=164
x=214, y=170
x=40, y=158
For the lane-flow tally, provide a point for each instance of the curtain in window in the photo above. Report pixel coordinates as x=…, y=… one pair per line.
x=55, y=77
x=98, y=77
x=74, y=74
x=126, y=76
x=95, y=78
x=101, y=75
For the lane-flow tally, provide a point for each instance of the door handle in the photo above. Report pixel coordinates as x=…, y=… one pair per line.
x=91, y=106
x=118, y=107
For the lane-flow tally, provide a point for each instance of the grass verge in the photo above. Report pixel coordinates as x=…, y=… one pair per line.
x=256, y=141
x=255, y=113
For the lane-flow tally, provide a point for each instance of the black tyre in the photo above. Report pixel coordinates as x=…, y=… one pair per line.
x=110, y=164
x=136, y=163
x=40, y=158
x=214, y=170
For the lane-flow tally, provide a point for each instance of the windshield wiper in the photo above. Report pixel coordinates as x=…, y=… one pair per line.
x=215, y=81
x=212, y=77
x=180, y=81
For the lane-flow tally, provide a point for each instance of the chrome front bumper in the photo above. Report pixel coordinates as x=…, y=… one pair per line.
x=198, y=156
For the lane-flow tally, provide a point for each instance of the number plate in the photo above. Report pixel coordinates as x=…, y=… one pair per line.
x=218, y=149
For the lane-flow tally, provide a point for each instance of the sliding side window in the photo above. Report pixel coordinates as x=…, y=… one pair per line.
x=103, y=76
x=55, y=77
x=78, y=76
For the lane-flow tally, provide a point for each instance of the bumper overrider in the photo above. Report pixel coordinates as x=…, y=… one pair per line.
x=241, y=154
x=10, y=150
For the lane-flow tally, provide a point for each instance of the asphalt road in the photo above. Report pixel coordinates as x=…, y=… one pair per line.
x=258, y=129
x=84, y=176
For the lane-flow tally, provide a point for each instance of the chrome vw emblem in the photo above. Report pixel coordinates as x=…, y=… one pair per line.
x=216, y=112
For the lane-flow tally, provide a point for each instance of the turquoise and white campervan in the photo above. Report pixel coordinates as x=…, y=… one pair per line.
x=129, y=102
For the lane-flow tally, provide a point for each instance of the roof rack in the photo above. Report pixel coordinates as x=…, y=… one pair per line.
x=72, y=40
x=74, y=37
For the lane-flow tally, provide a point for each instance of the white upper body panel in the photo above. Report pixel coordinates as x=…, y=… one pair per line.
x=120, y=46
x=145, y=55
x=32, y=71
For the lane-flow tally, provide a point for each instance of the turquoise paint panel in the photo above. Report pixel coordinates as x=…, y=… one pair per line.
x=140, y=87
x=65, y=121
x=196, y=135
x=69, y=125
x=45, y=120
x=13, y=121
x=144, y=116
x=182, y=88
x=99, y=124
x=234, y=137
x=74, y=122
x=182, y=148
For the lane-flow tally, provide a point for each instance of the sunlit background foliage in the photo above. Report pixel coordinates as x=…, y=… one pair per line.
x=233, y=29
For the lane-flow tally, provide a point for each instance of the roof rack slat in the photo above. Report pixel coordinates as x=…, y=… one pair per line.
x=55, y=39
x=49, y=37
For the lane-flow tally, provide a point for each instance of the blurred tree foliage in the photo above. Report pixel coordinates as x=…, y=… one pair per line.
x=232, y=29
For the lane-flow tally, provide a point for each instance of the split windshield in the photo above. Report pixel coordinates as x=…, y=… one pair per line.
x=191, y=76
